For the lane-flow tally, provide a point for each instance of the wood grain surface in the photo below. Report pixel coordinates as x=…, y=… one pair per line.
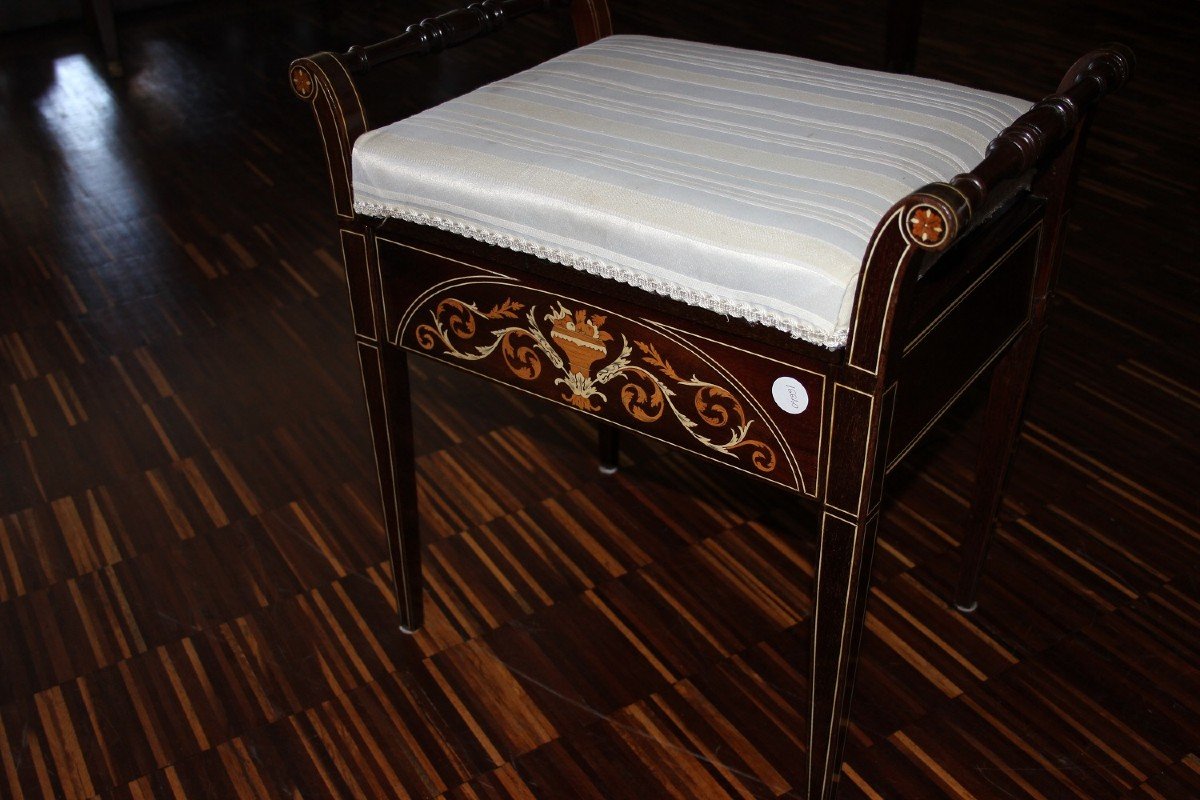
x=194, y=592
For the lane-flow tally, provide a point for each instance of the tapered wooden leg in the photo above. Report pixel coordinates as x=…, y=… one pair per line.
x=385, y=382
x=385, y=378
x=843, y=576
x=610, y=447
x=849, y=519
x=1006, y=396
x=102, y=15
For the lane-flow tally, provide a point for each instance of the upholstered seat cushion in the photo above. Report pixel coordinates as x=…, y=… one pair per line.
x=743, y=182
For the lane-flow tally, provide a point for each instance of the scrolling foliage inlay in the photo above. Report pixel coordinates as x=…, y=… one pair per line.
x=588, y=358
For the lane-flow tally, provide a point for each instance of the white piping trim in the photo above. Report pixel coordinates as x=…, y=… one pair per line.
x=699, y=299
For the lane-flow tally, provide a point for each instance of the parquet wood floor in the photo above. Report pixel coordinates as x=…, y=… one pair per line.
x=194, y=597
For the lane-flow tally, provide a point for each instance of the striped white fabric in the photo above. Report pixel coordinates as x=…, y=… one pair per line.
x=743, y=182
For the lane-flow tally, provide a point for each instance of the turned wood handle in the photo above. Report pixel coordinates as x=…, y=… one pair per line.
x=1020, y=146
x=932, y=217
x=435, y=34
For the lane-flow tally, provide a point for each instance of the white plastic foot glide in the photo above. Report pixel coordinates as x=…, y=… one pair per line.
x=967, y=609
x=607, y=470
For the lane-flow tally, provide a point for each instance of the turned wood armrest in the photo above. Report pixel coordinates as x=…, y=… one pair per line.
x=1021, y=146
x=326, y=80
x=930, y=219
x=453, y=28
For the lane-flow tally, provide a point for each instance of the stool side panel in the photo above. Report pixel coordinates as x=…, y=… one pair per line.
x=942, y=360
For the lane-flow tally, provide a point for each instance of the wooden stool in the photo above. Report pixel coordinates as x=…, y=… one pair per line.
x=790, y=268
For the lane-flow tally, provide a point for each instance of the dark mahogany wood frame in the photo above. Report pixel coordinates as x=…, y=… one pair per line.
x=941, y=302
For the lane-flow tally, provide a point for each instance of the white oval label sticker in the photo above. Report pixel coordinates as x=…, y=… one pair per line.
x=789, y=395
